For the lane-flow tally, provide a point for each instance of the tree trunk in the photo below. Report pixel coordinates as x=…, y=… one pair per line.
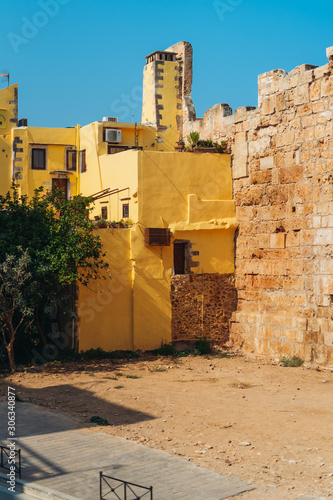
x=10, y=352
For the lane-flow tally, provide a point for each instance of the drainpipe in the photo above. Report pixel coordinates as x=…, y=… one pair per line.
x=78, y=173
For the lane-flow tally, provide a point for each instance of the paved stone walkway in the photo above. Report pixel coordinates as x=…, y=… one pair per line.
x=56, y=456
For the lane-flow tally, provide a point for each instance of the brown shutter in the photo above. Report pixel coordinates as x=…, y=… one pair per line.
x=155, y=236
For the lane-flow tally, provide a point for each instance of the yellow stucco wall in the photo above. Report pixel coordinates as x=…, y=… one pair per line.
x=105, y=317
x=120, y=171
x=167, y=179
x=169, y=93
x=56, y=141
x=192, y=195
x=148, y=97
x=7, y=113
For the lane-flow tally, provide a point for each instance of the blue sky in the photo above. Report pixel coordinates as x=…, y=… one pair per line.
x=76, y=61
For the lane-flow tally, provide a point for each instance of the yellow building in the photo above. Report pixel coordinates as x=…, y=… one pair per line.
x=183, y=224
x=33, y=156
x=8, y=121
x=179, y=204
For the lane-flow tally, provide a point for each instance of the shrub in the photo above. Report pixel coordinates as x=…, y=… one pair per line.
x=99, y=420
x=165, y=350
x=293, y=362
x=101, y=354
x=203, y=346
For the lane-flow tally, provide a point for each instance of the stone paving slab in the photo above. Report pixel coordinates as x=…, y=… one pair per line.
x=56, y=456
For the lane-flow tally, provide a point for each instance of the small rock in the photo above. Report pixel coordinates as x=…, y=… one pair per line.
x=245, y=443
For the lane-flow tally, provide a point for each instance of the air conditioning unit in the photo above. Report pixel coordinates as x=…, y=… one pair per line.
x=110, y=119
x=112, y=135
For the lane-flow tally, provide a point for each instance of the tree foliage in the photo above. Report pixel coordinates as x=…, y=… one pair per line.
x=52, y=240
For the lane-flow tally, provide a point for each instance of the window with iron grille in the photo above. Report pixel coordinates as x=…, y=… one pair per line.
x=155, y=236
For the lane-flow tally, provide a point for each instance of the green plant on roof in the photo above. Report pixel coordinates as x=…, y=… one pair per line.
x=193, y=139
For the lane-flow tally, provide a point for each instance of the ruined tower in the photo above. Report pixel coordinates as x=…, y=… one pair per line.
x=167, y=83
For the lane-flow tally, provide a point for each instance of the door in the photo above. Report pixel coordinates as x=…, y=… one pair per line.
x=179, y=258
x=61, y=184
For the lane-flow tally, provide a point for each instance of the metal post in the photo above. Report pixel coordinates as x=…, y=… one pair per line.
x=19, y=455
x=125, y=488
x=100, y=485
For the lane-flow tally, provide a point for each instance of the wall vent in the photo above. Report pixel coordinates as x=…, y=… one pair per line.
x=112, y=135
x=155, y=236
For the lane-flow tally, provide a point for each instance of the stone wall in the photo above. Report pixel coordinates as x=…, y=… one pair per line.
x=283, y=186
x=202, y=305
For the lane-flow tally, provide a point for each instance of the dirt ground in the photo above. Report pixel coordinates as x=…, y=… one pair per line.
x=267, y=424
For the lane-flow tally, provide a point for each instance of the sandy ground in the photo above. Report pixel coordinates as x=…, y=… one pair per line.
x=267, y=424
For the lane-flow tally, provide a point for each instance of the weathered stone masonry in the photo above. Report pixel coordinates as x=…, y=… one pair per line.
x=283, y=187
x=202, y=305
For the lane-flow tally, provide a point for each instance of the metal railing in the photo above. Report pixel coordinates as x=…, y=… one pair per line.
x=7, y=460
x=123, y=490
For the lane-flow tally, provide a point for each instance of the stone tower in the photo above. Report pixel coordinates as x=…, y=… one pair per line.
x=167, y=83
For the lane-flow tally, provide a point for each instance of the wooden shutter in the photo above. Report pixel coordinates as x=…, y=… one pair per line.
x=155, y=236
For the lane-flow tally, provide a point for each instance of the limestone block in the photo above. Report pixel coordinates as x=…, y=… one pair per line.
x=291, y=174
x=243, y=113
x=327, y=87
x=308, y=121
x=268, y=105
x=329, y=54
x=285, y=139
x=322, y=71
x=301, y=94
x=259, y=146
x=278, y=240
x=267, y=163
x=325, y=117
x=280, y=102
x=320, y=131
x=308, y=134
x=240, y=152
x=261, y=177
x=240, y=168
x=324, y=236
x=315, y=90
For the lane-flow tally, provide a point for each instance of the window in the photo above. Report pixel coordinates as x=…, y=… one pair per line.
x=83, y=165
x=116, y=149
x=38, y=158
x=156, y=236
x=71, y=159
x=104, y=212
x=125, y=210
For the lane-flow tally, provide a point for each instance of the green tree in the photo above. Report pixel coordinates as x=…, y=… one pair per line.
x=61, y=247
x=16, y=289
